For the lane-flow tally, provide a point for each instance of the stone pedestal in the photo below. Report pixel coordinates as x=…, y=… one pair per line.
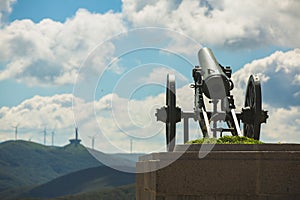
x=228, y=172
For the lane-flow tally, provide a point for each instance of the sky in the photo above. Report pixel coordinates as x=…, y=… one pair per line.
x=102, y=66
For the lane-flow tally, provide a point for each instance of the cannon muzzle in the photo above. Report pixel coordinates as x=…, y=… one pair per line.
x=216, y=85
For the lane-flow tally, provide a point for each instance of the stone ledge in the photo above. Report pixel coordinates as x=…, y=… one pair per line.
x=239, y=147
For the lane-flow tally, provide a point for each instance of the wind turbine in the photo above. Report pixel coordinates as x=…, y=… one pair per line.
x=130, y=145
x=93, y=140
x=45, y=135
x=29, y=139
x=52, y=135
x=16, y=131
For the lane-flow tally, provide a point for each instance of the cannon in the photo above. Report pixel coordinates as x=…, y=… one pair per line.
x=213, y=81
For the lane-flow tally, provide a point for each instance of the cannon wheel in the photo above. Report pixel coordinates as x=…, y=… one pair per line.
x=254, y=102
x=171, y=111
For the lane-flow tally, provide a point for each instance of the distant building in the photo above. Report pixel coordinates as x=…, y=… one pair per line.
x=76, y=140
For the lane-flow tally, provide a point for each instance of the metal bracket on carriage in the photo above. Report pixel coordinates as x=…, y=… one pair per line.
x=162, y=114
x=247, y=116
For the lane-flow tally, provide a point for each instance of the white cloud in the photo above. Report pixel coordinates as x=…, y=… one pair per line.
x=51, y=52
x=121, y=119
x=158, y=75
x=5, y=5
x=116, y=67
x=54, y=111
x=231, y=23
x=280, y=88
x=283, y=125
x=279, y=74
x=111, y=118
x=33, y=115
x=5, y=8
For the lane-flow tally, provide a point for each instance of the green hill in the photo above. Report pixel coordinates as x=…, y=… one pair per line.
x=81, y=182
x=25, y=164
x=126, y=192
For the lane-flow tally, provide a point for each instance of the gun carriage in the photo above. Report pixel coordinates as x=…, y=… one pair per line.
x=213, y=81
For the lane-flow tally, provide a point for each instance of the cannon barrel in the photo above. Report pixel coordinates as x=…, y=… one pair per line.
x=216, y=85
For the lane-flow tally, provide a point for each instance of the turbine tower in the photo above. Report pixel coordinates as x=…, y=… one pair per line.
x=16, y=131
x=130, y=145
x=52, y=134
x=93, y=140
x=45, y=135
x=75, y=141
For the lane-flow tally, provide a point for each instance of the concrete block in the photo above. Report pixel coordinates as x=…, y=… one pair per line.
x=253, y=172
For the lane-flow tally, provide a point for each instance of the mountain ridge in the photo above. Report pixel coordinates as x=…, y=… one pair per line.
x=83, y=181
x=26, y=166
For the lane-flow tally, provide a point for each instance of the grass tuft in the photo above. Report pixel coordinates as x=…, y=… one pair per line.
x=226, y=140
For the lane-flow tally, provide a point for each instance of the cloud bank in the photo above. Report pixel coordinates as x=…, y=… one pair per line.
x=279, y=74
x=234, y=24
x=50, y=52
x=118, y=119
x=5, y=8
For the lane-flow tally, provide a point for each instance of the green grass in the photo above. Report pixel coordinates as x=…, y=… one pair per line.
x=226, y=140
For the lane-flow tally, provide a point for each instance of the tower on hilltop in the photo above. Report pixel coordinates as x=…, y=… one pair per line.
x=76, y=140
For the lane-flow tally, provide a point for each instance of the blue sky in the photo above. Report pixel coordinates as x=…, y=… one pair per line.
x=99, y=53
x=59, y=10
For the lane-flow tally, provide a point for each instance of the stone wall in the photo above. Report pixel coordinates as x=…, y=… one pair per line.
x=227, y=172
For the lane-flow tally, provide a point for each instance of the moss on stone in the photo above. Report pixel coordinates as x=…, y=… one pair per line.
x=226, y=140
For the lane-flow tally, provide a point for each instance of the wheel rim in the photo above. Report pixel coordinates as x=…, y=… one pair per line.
x=171, y=111
x=254, y=102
